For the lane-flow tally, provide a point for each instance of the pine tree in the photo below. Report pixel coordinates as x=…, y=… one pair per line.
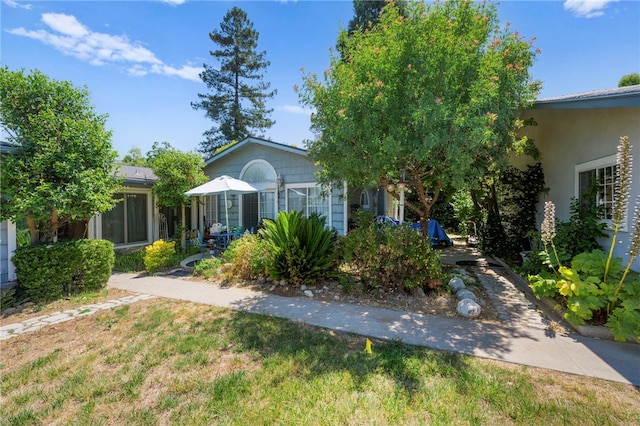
x=366, y=14
x=235, y=105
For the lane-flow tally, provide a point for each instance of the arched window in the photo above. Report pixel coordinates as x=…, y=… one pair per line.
x=261, y=174
x=364, y=199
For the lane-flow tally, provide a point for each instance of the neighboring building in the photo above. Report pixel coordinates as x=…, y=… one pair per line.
x=578, y=136
x=286, y=181
x=7, y=239
x=134, y=221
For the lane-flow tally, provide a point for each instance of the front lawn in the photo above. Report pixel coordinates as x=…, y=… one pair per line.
x=167, y=362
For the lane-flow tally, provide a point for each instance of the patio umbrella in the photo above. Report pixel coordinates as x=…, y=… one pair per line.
x=223, y=184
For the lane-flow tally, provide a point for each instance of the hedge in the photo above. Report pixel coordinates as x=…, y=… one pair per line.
x=50, y=271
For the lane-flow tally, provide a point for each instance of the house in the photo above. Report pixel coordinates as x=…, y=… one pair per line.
x=7, y=239
x=286, y=180
x=135, y=220
x=578, y=136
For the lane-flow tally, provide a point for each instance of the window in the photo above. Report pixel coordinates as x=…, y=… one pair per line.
x=308, y=200
x=211, y=210
x=596, y=183
x=255, y=207
x=364, y=199
x=127, y=222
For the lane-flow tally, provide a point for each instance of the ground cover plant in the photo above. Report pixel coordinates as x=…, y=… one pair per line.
x=169, y=362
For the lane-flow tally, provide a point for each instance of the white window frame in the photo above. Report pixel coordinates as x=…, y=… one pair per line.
x=329, y=218
x=274, y=190
x=365, y=200
x=599, y=164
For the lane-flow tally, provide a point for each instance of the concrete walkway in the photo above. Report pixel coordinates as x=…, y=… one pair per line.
x=531, y=346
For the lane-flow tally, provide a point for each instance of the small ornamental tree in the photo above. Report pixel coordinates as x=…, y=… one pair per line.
x=62, y=168
x=178, y=172
x=436, y=93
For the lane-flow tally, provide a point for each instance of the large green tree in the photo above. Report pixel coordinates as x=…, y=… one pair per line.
x=178, y=172
x=237, y=98
x=62, y=168
x=133, y=158
x=434, y=95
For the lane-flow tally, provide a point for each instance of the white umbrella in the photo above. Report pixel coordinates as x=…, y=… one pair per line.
x=222, y=184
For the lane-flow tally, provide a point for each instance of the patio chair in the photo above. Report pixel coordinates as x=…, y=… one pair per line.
x=202, y=243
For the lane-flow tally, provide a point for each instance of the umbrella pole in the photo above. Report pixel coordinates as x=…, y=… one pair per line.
x=226, y=210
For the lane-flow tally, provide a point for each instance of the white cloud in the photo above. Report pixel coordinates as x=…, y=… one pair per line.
x=15, y=4
x=173, y=2
x=587, y=8
x=72, y=38
x=294, y=109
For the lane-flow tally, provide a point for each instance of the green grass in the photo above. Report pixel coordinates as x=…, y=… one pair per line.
x=167, y=362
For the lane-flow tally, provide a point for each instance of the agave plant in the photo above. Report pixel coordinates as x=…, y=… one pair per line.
x=303, y=249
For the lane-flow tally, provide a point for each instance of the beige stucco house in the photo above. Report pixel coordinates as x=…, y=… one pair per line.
x=578, y=136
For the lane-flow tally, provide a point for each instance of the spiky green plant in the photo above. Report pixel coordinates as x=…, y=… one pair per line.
x=303, y=249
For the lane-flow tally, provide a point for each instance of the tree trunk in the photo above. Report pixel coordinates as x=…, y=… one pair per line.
x=54, y=226
x=33, y=232
x=183, y=239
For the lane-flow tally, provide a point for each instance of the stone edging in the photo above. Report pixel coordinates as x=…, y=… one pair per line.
x=33, y=324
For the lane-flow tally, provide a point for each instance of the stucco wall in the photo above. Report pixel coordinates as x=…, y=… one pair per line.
x=569, y=137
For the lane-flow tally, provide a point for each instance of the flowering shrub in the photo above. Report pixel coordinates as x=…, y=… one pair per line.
x=158, y=255
x=596, y=282
x=248, y=257
x=387, y=257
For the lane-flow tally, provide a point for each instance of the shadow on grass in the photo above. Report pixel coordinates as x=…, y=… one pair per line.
x=448, y=334
x=319, y=351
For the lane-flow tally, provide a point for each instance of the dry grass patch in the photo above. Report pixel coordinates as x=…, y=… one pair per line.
x=167, y=362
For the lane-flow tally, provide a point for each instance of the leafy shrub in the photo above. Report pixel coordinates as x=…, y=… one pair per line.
x=7, y=298
x=47, y=272
x=207, y=267
x=579, y=234
x=129, y=261
x=464, y=211
x=386, y=257
x=588, y=289
x=23, y=237
x=159, y=255
x=302, y=249
x=248, y=257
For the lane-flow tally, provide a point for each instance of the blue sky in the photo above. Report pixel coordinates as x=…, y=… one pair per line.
x=140, y=59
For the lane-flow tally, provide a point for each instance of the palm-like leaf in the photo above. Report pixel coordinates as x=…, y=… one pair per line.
x=303, y=248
